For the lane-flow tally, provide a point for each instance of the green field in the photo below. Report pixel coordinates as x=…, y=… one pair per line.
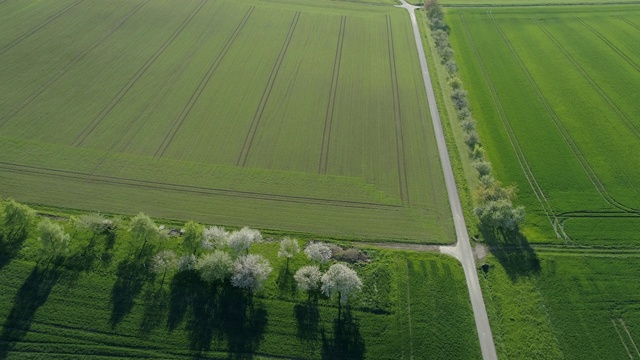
x=304, y=116
x=579, y=304
x=102, y=301
x=555, y=93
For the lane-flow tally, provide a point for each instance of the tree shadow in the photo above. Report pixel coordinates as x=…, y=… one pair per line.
x=155, y=309
x=131, y=277
x=10, y=245
x=226, y=314
x=183, y=289
x=347, y=343
x=285, y=281
x=308, y=319
x=31, y=296
x=513, y=251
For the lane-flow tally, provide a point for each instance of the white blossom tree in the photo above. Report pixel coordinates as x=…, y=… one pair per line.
x=308, y=278
x=215, y=266
x=342, y=280
x=55, y=241
x=240, y=241
x=319, y=252
x=187, y=262
x=214, y=237
x=288, y=248
x=250, y=272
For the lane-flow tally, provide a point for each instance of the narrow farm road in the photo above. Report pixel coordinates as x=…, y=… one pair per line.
x=462, y=250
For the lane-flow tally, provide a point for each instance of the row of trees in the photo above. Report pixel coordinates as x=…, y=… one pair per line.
x=213, y=253
x=494, y=202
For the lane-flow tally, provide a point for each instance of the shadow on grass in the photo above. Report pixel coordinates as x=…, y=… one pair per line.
x=31, y=296
x=10, y=245
x=347, y=343
x=132, y=274
x=308, y=319
x=285, y=281
x=512, y=250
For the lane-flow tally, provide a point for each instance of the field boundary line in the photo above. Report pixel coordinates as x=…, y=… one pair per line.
x=69, y=65
x=624, y=325
x=331, y=103
x=621, y=339
x=79, y=140
x=266, y=94
x=397, y=118
x=617, y=50
x=629, y=22
x=53, y=17
x=195, y=96
x=513, y=139
x=595, y=180
x=149, y=184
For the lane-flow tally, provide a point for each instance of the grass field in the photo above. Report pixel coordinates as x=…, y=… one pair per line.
x=555, y=94
x=299, y=116
x=579, y=304
x=103, y=302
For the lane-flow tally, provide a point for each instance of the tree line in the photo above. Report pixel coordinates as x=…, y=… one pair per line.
x=494, y=202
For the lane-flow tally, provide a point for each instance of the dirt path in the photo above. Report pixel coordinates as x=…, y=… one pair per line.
x=462, y=250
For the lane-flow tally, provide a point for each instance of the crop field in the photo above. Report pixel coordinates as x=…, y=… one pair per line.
x=306, y=117
x=577, y=305
x=555, y=92
x=103, y=302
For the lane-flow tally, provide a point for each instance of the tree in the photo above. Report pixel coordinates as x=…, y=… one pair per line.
x=288, y=248
x=192, y=238
x=250, y=272
x=308, y=278
x=96, y=224
x=187, y=262
x=483, y=167
x=459, y=97
x=17, y=218
x=164, y=261
x=469, y=125
x=471, y=138
x=55, y=241
x=240, y=241
x=214, y=237
x=342, y=280
x=500, y=214
x=215, y=266
x=478, y=154
x=319, y=252
x=143, y=229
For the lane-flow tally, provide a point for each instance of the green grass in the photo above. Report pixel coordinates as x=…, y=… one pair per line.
x=553, y=92
x=101, y=302
x=578, y=305
x=305, y=116
x=531, y=3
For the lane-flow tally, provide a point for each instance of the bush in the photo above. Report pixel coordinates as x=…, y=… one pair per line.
x=351, y=255
x=452, y=67
x=483, y=167
x=464, y=113
x=471, y=139
x=459, y=98
x=468, y=125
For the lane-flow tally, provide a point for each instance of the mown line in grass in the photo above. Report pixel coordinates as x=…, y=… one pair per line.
x=593, y=176
x=266, y=93
x=79, y=140
x=397, y=117
x=69, y=65
x=53, y=17
x=624, y=56
x=629, y=22
x=195, y=96
x=37, y=170
x=515, y=144
x=331, y=104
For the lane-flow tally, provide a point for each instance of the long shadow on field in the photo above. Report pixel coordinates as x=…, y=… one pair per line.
x=33, y=294
x=10, y=245
x=347, y=343
x=285, y=281
x=183, y=288
x=308, y=319
x=132, y=275
x=512, y=250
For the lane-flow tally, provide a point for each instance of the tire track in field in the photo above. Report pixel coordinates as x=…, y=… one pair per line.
x=69, y=65
x=637, y=27
x=201, y=190
x=266, y=93
x=513, y=139
x=53, y=17
x=79, y=140
x=621, y=339
x=331, y=104
x=177, y=124
x=604, y=39
x=397, y=117
x=593, y=177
